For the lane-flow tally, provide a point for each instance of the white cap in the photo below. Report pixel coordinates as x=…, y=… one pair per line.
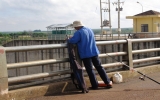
x=77, y=24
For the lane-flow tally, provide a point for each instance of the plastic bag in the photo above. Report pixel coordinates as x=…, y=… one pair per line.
x=117, y=78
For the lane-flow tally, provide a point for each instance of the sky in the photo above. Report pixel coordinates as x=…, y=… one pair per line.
x=30, y=15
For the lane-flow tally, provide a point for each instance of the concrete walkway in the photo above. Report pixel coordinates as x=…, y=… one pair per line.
x=131, y=89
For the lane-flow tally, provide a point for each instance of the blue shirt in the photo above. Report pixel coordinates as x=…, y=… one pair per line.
x=84, y=38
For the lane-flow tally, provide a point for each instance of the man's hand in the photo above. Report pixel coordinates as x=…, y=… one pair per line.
x=68, y=37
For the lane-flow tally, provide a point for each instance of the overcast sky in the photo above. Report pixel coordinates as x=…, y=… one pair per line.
x=20, y=15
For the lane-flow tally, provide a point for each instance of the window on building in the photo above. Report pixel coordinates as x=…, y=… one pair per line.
x=144, y=28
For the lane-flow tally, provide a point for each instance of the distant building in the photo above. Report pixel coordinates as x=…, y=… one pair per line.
x=148, y=21
x=60, y=29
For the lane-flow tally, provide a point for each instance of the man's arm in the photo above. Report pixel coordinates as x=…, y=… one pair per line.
x=76, y=37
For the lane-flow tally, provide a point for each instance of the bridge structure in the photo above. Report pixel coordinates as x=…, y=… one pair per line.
x=53, y=75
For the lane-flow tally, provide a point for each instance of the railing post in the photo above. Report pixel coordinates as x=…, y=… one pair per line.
x=128, y=48
x=3, y=73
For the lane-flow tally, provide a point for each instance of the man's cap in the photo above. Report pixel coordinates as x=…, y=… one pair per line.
x=77, y=24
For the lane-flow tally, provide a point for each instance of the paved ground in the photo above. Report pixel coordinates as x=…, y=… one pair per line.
x=131, y=89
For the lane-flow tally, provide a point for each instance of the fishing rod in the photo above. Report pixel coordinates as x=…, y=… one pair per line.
x=142, y=78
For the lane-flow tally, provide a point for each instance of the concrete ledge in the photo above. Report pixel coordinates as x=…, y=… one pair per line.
x=35, y=91
x=60, y=87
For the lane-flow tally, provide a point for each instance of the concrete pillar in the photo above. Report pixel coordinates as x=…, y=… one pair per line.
x=128, y=58
x=3, y=73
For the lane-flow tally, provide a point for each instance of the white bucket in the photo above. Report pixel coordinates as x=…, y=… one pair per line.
x=117, y=78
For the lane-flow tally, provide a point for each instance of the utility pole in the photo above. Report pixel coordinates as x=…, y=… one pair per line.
x=110, y=18
x=105, y=22
x=101, y=20
x=118, y=9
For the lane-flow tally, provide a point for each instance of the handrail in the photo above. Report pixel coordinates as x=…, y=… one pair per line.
x=35, y=47
x=35, y=63
x=126, y=57
x=37, y=76
x=145, y=50
x=145, y=40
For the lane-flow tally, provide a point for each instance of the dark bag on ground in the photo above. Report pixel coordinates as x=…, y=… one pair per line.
x=76, y=70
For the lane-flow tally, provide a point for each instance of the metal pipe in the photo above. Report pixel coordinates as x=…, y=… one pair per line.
x=145, y=50
x=145, y=40
x=35, y=63
x=116, y=64
x=37, y=82
x=36, y=76
x=35, y=47
x=146, y=59
x=112, y=54
x=111, y=42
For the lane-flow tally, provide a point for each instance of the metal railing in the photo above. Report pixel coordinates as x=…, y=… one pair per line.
x=125, y=56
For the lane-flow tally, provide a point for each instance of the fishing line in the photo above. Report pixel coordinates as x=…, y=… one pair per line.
x=143, y=75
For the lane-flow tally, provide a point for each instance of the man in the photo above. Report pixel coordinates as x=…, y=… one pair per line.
x=88, y=51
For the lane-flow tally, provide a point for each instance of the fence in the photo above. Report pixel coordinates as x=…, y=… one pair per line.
x=133, y=52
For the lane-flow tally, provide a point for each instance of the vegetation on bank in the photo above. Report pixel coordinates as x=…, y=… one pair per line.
x=4, y=38
x=25, y=35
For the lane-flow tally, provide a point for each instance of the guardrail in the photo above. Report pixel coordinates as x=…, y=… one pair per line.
x=126, y=58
